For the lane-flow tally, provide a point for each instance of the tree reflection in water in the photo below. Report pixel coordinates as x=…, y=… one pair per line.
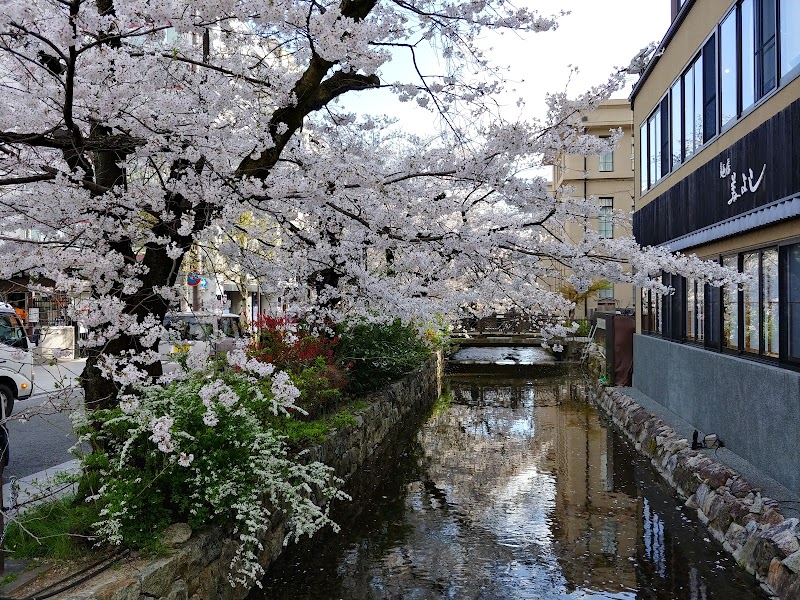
x=518, y=490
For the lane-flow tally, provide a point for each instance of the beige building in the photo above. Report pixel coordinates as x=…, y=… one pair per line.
x=717, y=118
x=608, y=179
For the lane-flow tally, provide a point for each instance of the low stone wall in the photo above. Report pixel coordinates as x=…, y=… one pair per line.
x=751, y=527
x=197, y=567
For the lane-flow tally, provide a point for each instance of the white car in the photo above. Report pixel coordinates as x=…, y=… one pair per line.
x=198, y=332
x=16, y=360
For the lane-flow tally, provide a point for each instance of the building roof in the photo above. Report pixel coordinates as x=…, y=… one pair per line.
x=673, y=28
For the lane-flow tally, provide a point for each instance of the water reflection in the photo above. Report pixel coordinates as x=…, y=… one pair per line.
x=503, y=355
x=516, y=490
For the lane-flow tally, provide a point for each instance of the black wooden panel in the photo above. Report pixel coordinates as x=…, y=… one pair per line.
x=701, y=199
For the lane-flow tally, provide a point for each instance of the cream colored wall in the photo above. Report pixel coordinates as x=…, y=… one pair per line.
x=617, y=184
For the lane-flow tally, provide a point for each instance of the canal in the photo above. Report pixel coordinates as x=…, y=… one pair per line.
x=513, y=488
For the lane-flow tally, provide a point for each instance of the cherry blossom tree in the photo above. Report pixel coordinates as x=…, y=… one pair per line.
x=131, y=132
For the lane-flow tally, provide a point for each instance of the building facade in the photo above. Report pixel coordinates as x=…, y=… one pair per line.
x=717, y=118
x=608, y=178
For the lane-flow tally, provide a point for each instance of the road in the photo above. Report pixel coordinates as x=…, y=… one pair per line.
x=43, y=440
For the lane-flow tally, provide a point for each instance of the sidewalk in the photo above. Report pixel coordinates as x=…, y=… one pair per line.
x=61, y=375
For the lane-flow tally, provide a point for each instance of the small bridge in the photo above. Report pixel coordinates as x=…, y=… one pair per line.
x=511, y=329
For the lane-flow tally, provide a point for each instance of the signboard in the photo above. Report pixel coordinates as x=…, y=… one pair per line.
x=33, y=315
x=193, y=279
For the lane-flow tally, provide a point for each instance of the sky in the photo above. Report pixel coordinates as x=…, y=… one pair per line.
x=596, y=37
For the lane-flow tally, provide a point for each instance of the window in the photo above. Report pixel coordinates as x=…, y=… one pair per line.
x=606, y=292
x=709, y=94
x=748, y=50
x=664, y=134
x=677, y=134
x=769, y=301
x=695, y=311
x=691, y=307
x=730, y=307
x=790, y=40
x=605, y=225
x=607, y=161
x=711, y=300
x=752, y=316
x=728, y=88
x=654, y=137
x=643, y=177
x=792, y=271
x=12, y=332
x=766, y=58
x=693, y=108
x=750, y=303
x=647, y=323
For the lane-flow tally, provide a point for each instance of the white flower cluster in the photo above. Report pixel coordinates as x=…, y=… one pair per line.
x=283, y=389
x=162, y=434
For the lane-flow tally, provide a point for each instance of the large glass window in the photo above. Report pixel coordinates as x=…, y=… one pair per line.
x=728, y=75
x=730, y=307
x=709, y=96
x=700, y=311
x=769, y=301
x=677, y=137
x=695, y=310
x=790, y=40
x=766, y=47
x=605, y=226
x=793, y=301
x=691, y=304
x=748, y=54
x=607, y=161
x=751, y=304
x=664, y=137
x=654, y=127
x=643, y=146
x=711, y=297
x=693, y=107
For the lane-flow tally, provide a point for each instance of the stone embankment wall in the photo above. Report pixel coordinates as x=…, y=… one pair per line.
x=750, y=526
x=197, y=566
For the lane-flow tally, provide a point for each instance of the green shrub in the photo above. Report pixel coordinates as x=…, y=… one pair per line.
x=380, y=352
x=203, y=450
x=320, y=387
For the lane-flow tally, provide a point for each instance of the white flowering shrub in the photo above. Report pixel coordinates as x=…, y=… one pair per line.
x=201, y=450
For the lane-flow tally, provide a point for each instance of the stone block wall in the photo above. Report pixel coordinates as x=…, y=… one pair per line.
x=750, y=526
x=197, y=566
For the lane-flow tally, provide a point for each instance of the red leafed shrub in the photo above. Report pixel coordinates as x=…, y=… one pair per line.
x=310, y=359
x=284, y=342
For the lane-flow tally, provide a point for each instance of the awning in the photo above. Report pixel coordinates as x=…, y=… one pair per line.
x=780, y=210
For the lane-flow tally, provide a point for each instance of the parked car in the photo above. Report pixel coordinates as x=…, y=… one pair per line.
x=203, y=332
x=16, y=360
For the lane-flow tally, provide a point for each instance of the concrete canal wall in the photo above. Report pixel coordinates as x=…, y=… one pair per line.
x=754, y=407
x=197, y=566
x=750, y=526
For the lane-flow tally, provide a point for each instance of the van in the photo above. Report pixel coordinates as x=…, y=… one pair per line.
x=198, y=332
x=16, y=360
